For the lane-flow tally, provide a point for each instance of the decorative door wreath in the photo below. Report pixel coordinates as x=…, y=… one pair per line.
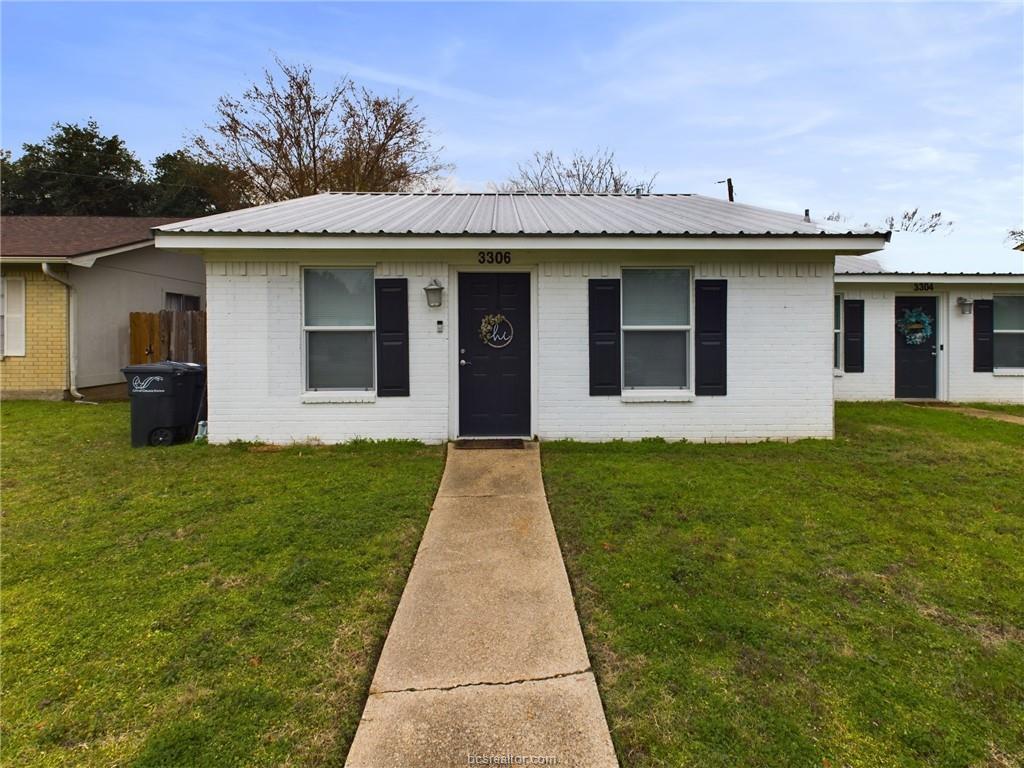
x=915, y=325
x=496, y=331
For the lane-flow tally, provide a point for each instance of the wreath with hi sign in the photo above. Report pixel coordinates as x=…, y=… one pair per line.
x=916, y=326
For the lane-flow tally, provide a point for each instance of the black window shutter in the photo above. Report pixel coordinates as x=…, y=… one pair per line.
x=710, y=314
x=853, y=336
x=392, y=337
x=983, y=326
x=605, y=337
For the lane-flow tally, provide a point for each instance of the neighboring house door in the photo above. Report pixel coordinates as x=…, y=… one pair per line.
x=916, y=346
x=494, y=354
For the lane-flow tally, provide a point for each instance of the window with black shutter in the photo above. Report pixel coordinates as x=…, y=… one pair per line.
x=710, y=313
x=983, y=335
x=392, y=296
x=605, y=356
x=853, y=336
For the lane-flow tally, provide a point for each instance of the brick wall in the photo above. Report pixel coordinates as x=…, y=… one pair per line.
x=255, y=356
x=779, y=354
x=43, y=371
x=779, y=358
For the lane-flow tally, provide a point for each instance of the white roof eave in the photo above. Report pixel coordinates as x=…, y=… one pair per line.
x=853, y=244
x=946, y=278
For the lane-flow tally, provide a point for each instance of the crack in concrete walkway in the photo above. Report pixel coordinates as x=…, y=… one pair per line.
x=485, y=656
x=492, y=683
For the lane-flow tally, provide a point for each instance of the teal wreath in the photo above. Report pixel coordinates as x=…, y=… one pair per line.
x=915, y=325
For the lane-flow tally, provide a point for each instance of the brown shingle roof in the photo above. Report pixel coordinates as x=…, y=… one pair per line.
x=64, y=236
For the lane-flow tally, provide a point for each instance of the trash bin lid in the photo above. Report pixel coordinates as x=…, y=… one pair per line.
x=167, y=368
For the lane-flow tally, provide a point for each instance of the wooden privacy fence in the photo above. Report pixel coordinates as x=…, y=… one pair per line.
x=168, y=335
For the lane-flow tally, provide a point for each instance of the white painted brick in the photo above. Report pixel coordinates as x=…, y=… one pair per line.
x=957, y=380
x=779, y=362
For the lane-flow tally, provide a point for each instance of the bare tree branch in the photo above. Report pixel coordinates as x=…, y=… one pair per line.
x=908, y=221
x=287, y=139
x=596, y=172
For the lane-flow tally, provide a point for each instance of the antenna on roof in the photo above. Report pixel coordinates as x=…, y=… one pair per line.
x=728, y=188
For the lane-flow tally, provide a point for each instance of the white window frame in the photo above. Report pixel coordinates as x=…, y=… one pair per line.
x=17, y=319
x=995, y=331
x=644, y=393
x=837, y=334
x=3, y=315
x=308, y=329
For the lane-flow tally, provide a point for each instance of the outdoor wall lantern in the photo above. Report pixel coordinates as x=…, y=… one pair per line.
x=966, y=305
x=433, y=289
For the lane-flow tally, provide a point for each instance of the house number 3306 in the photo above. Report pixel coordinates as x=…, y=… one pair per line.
x=494, y=257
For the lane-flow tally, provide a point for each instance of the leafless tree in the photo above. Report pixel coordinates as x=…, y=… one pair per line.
x=913, y=221
x=1015, y=236
x=596, y=172
x=908, y=221
x=286, y=138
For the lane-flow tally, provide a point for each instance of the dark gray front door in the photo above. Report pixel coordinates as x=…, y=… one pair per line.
x=916, y=346
x=494, y=354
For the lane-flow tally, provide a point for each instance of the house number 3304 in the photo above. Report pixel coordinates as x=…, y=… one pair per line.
x=494, y=257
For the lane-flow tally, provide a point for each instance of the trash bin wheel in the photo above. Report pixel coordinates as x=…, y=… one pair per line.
x=161, y=436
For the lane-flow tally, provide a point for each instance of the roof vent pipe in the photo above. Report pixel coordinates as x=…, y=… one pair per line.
x=638, y=192
x=807, y=215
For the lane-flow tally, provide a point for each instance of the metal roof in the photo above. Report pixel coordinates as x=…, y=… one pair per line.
x=385, y=213
x=849, y=265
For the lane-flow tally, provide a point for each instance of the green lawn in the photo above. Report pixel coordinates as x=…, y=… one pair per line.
x=849, y=603
x=194, y=605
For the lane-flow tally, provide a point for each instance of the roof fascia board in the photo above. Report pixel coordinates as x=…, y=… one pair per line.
x=898, y=278
x=88, y=259
x=79, y=260
x=853, y=245
x=33, y=259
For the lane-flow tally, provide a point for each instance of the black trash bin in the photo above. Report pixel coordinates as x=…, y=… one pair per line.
x=166, y=401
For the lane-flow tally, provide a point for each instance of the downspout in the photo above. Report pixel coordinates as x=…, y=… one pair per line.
x=72, y=338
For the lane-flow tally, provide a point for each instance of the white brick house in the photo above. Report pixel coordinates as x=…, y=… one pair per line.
x=973, y=345
x=590, y=317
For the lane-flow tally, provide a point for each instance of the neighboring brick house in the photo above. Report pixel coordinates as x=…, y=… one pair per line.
x=438, y=316
x=68, y=285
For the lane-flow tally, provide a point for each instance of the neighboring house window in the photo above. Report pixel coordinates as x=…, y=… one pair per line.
x=339, y=328
x=656, y=328
x=12, y=316
x=1008, y=328
x=837, y=333
x=181, y=302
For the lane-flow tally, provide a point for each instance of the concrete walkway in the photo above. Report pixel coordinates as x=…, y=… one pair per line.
x=485, y=657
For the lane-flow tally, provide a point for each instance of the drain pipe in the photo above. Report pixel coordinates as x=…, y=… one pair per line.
x=72, y=339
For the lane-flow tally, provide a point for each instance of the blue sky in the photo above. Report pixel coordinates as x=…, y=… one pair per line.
x=862, y=108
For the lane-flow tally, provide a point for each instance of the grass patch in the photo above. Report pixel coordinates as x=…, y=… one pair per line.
x=195, y=605
x=857, y=602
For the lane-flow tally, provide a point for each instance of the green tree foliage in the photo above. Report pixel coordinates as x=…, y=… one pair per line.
x=76, y=170
x=186, y=186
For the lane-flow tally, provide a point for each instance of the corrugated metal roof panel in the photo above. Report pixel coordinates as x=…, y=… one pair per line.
x=372, y=213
